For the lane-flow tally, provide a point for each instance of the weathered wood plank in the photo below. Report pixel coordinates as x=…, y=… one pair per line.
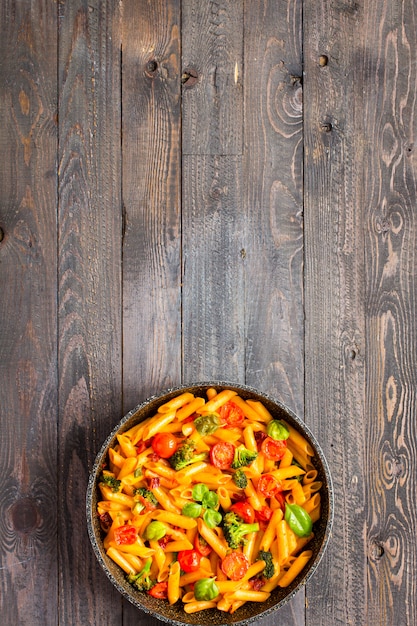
x=213, y=269
x=212, y=45
x=89, y=246
x=28, y=367
x=151, y=162
x=151, y=197
x=334, y=294
x=391, y=299
x=273, y=207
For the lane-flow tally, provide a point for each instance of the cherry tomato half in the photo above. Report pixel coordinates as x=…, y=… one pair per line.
x=164, y=444
x=125, y=535
x=189, y=560
x=222, y=454
x=231, y=414
x=235, y=565
x=274, y=449
x=201, y=545
x=244, y=510
x=268, y=485
x=160, y=590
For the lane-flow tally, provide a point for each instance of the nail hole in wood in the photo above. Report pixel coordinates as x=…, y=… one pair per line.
x=326, y=127
x=323, y=60
x=1, y=234
x=189, y=77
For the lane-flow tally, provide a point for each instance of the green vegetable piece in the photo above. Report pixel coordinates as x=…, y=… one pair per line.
x=147, y=494
x=207, y=424
x=212, y=518
x=269, y=570
x=205, y=589
x=111, y=481
x=277, y=430
x=199, y=491
x=298, y=520
x=186, y=455
x=154, y=531
x=240, y=479
x=191, y=509
x=138, y=508
x=142, y=581
x=243, y=457
x=210, y=500
x=235, y=530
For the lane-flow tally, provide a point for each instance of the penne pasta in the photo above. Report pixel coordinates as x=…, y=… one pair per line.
x=296, y=567
x=176, y=403
x=194, y=607
x=190, y=408
x=174, y=583
x=260, y=409
x=217, y=401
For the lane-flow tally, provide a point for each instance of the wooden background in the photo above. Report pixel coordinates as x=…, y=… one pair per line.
x=207, y=189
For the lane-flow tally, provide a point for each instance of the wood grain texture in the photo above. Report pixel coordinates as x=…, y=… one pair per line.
x=273, y=206
x=212, y=47
x=89, y=297
x=151, y=196
x=335, y=351
x=151, y=162
x=214, y=230
x=28, y=370
x=391, y=291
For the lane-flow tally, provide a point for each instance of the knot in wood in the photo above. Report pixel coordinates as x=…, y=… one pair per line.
x=24, y=515
x=151, y=68
x=1, y=234
x=377, y=550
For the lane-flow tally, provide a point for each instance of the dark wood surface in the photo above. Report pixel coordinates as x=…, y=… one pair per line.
x=195, y=190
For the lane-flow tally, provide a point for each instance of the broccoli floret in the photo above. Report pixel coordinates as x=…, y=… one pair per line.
x=142, y=581
x=269, y=570
x=234, y=529
x=144, y=500
x=239, y=478
x=185, y=455
x=243, y=456
x=111, y=481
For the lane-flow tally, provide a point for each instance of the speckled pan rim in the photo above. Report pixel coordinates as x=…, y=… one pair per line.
x=98, y=549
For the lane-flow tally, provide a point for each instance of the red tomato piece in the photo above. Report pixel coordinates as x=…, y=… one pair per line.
x=222, y=454
x=201, y=545
x=264, y=514
x=125, y=535
x=281, y=500
x=160, y=590
x=189, y=560
x=244, y=510
x=235, y=565
x=274, y=449
x=164, y=445
x=231, y=414
x=268, y=485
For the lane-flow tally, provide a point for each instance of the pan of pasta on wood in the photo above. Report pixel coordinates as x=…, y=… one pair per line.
x=210, y=503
